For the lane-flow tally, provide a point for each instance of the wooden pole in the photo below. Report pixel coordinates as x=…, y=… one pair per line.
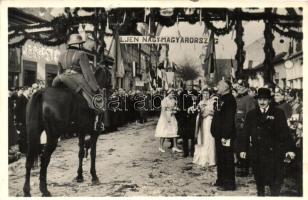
x=269, y=51
x=240, y=54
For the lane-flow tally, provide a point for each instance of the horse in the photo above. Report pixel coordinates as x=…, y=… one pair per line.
x=54, y=110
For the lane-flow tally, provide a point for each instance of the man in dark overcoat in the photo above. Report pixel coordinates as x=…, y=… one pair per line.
x=190, y=102
x=224, y=132
x=267, y=135
x=20, y=120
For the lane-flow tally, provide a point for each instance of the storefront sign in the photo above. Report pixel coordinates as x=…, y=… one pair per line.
x=129, y=39
x=38, y=52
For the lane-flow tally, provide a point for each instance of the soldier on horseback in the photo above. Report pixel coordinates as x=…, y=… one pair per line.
x=75, y=73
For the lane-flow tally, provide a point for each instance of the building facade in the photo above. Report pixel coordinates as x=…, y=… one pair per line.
x=31, y=62
x=288, y=63
x=138, y=60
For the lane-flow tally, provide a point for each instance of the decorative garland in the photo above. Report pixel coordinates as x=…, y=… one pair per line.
x=19, y=43
x=289, y=33
x=220, y=31
x=63, y=25
x=60, y=25
x=240, y=53
x=269, y=51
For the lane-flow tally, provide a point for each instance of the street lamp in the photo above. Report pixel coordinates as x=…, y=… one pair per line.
x=288, y=64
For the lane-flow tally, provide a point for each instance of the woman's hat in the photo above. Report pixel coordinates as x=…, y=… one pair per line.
x=75, y=39
x=205, y=88
x=264, y=93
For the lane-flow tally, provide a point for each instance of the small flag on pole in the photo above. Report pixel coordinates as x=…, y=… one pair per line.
x=232, y=72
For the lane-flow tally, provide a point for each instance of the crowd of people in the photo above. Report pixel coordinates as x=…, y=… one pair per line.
x=134, y=106
x=212, y=124
x=234, y=126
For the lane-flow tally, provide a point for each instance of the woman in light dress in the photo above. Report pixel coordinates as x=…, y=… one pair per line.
x=205, y=148
x=167, y=126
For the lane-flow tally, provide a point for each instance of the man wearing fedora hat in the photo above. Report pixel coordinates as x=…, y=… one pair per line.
x=75, y=72
x=269, y=142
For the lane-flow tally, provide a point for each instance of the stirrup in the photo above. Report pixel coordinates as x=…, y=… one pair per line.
x=98, y=125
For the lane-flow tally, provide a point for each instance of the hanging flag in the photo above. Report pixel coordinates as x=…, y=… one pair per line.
x=159, y=73
x=158, y=29
x=210, y=57
x=147, y=11
x=205, y=30
x=165, y=64
x=107, y=29
x=170, y=77
x=227, y=19
x=134, y=69
x=119, y=68
x=152, y=73
x=200, y=16
x=232, y=72
x=232, y=33
x=164, y=75
x=149, y=31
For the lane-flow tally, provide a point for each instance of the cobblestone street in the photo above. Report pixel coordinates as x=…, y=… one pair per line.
x=128, y=164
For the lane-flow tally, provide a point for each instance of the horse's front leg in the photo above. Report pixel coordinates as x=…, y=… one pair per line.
x=79, y=177
x=94, y=137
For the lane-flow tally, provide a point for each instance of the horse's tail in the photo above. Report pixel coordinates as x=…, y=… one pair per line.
x=34, y=124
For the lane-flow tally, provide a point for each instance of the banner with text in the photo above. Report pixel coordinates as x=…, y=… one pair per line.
x=130, y=39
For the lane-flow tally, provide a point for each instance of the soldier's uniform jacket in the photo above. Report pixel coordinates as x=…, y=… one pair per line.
x=268, y=138
x=75, y=71
x=245, y=103
x=286, y=108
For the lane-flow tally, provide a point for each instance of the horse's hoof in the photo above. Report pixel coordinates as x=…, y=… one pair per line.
x=26, y=191
x=95, y=181
x=79, y=179
x=46, y=194
x=27, y=194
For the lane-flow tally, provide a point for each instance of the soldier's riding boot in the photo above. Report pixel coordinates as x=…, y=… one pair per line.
x=98, y=123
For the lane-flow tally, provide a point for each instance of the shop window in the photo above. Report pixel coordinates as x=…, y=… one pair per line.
x=29, y=73
x=291, y=83
x=29, y=77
